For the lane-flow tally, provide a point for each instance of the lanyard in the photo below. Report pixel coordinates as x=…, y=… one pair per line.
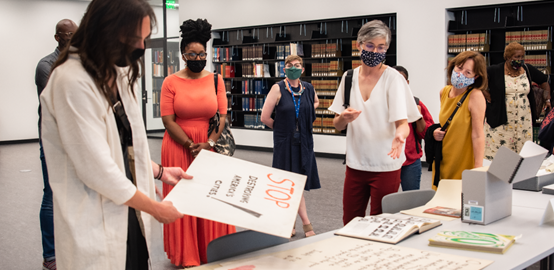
x=299, y=94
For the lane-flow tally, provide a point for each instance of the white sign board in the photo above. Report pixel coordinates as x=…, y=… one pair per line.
x=240, y=193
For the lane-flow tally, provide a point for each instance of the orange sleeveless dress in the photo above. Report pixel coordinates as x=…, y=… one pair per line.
x=193, y=102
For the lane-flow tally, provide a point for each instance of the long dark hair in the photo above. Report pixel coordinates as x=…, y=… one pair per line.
x=195, y=31
x=103, y=38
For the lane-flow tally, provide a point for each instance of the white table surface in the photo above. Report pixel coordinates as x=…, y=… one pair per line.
x=536, y=243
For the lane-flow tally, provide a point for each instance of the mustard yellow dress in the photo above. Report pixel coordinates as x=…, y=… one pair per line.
x=457, y=145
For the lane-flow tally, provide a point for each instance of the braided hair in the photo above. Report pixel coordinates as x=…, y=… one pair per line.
x=195, y=31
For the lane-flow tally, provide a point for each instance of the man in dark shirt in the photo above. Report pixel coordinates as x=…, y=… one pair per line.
x=64, y=30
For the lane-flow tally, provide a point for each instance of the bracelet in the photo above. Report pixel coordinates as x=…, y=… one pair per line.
x=160, y=172
x=188, y=141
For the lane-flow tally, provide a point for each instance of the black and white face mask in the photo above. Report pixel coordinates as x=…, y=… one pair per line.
x=372, y=59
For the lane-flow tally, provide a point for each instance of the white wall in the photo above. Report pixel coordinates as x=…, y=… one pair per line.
x=421, y=39
x=27, y=29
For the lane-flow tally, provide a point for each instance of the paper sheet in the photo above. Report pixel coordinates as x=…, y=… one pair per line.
x=449, y=194
x=240, y=193
x=548, y=213
x=349, y=253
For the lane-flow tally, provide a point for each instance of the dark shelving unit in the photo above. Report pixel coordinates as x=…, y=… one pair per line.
x=338, y=31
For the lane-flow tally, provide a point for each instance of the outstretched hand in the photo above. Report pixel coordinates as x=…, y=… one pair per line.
x=396, y=148
x=172, y=175
x=350, y=115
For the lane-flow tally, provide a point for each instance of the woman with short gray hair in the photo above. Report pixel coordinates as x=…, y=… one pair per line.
x=380, y=106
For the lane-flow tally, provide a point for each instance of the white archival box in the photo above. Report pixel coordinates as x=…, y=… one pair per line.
x=240, y=193
x=487, y=191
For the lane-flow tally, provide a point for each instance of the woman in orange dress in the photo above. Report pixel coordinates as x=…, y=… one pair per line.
x=188, y=101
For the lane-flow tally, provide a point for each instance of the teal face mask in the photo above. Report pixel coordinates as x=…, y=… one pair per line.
x=293, y=72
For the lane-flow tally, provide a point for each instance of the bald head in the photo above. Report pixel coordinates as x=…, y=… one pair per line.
x=64, y=31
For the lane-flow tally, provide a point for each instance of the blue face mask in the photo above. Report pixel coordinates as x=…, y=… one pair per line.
x=460, y=81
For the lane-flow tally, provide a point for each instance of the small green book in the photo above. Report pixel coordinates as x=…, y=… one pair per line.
x=487, y=242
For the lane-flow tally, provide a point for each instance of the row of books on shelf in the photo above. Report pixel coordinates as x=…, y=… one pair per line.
x=254, y=87
x=325, y=84
x=468, y=42
x=285, y=50
x=333, y=68
x=156, y=96
x=541, y=62
x=355, y=49
x=325, y=130
x=157, y=69
x=253, y=121
x=156, y=111
x=324, y=122
x=226, y=54
x=252, y=104
x=255, y=70
x=158, y=56
x=326, y=92
x=531, y=40
x=326, y=50
x=356, y=63
x=226, y=70
x=253, y=53
x=323, y=111
x=324, y=103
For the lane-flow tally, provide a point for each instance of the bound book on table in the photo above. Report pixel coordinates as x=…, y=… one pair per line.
x=444, y=211
x=487, y=242
x=388, y=228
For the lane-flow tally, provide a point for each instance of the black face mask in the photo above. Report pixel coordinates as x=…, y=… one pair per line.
x=133, y=56
x=196, y=66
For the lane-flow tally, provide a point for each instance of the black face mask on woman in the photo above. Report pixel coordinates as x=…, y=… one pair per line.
x=196, y=66
x=132, y=56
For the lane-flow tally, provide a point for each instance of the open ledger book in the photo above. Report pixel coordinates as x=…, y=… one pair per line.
x=388, y=228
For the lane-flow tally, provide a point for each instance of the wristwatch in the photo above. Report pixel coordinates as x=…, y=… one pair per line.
x=211, y=143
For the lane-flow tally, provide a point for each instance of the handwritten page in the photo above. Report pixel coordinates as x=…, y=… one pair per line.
x=262, y=263
x=240, y=193
x=350, y=253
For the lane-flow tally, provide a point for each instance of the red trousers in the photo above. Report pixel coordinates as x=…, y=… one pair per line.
x=360, y=185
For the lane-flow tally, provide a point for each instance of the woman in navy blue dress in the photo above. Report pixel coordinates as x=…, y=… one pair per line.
x=294, y=103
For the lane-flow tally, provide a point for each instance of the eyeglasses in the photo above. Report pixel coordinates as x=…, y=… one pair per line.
x=370, y=47
x=297, y=65
x=67, y=35
x=194, y=55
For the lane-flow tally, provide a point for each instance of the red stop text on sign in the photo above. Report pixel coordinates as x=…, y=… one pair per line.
x=280, y=192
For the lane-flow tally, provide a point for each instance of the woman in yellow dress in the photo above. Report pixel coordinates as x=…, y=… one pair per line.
x=463, y=141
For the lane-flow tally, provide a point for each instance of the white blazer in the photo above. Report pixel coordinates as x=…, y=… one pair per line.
x=87, y=172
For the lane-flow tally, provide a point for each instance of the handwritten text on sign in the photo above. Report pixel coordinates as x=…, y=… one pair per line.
x=239, y=193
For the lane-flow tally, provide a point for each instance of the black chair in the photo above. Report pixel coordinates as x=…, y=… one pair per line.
x=240, y=243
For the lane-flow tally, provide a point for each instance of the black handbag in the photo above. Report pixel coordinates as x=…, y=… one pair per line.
x=226, y=143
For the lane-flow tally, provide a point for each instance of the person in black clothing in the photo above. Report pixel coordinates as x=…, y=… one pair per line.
x=511, y=109
x=64, y=31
